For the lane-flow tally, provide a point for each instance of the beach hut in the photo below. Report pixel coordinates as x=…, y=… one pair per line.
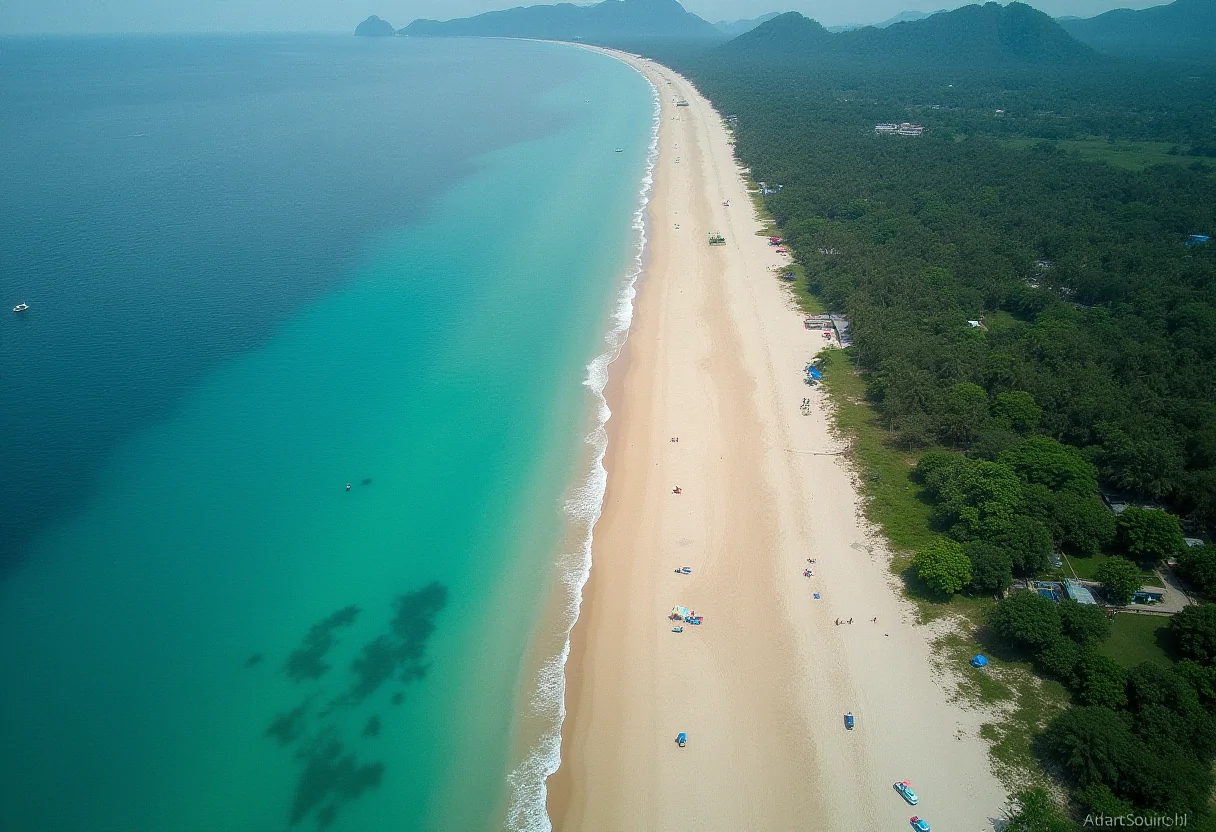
x=980, y=660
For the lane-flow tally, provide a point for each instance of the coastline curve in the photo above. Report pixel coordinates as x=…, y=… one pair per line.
x=527, y=782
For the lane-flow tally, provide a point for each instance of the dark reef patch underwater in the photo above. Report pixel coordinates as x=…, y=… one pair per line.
x=330, y=775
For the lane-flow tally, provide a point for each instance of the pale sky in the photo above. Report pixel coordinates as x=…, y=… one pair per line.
x=96, y=16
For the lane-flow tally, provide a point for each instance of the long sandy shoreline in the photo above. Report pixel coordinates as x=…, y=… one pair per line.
x=715, y=358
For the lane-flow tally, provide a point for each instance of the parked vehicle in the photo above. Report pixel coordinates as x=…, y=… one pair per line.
x=905, y=790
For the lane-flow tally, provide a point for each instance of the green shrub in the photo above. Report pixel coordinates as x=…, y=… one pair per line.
x=1195, y=630
x=1084, y=623
x=991, y=566
x=1026, y=619
x=1120, y=578
x=943, y=566
x=1101, y=681
x=1149, y=535
x=1197, y=566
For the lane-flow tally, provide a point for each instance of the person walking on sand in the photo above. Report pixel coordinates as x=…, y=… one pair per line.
x=850, y=621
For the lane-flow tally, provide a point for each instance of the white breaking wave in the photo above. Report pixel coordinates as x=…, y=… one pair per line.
x=529, y=793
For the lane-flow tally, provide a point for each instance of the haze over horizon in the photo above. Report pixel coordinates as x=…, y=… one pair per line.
x=152, y=16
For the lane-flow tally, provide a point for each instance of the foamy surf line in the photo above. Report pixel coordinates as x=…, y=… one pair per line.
x=526, y=810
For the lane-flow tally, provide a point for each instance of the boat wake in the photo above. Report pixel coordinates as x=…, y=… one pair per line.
x=528, y=781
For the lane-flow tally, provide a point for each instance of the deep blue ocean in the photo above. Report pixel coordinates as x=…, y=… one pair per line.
x=293, y=421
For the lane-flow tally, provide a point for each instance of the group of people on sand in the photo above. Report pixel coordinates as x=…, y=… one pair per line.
x=806, y=573
x=675, y=439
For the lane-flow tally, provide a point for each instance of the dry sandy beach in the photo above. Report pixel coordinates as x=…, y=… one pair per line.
x=715, y=357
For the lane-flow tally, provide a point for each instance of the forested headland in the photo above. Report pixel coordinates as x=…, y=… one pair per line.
x=1034, y=326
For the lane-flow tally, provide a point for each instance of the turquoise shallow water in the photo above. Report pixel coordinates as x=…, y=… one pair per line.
x=220, y=635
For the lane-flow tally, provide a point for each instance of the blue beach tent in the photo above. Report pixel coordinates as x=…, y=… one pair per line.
x=979, y=661
x=815, y=374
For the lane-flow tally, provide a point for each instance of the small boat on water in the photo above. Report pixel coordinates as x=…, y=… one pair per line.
x=21, y=307
x=620, y=150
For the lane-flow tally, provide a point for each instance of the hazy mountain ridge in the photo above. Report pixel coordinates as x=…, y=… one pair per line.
x=907, y=16
x=734, y=28
x=1182, y=30
x=979, y=35
x=609, y=20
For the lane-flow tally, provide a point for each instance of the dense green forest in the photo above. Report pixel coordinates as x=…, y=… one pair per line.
x=1092, y=303
x=1094, y=364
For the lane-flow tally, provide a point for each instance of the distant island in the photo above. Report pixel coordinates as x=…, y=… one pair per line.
x=375, y=27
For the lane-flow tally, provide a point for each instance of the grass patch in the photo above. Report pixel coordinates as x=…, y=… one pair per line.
x=1126, y=154
x=1086, y=568
x=769, y=229
x=1026, y=703
x=974, y=684
x=807, y=302
x=1138, y=638
x=894, y=502
x=1036, y=702
x=1000, y=321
